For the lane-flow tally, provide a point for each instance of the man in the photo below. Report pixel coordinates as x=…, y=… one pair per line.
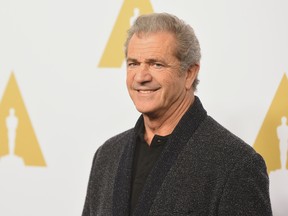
x=177, y=160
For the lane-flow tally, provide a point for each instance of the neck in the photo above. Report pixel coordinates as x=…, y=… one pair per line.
x=165, y=124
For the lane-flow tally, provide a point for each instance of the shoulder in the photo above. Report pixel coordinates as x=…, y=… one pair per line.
x=224, y=146
x=107, y=156
x=115, y=144
x=218, y=135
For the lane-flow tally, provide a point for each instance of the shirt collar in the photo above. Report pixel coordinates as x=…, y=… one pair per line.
x=139, y=128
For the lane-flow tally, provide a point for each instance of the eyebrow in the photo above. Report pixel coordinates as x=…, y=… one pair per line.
x=131, y=59
x=151, y=60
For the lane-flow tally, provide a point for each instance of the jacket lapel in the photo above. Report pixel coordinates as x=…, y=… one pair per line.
x=122, y=185
x=180, y=136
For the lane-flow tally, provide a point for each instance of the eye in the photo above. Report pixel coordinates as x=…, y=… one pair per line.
x=132, y=64
x=157, y=65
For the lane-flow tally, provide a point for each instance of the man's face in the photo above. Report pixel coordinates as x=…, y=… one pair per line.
x=154, y=81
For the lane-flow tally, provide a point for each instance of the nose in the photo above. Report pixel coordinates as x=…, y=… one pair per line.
x=143, y=74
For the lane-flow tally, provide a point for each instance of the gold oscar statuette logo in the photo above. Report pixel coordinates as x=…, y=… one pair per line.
x=17, y=136
x=113, y=55
x=272, y=139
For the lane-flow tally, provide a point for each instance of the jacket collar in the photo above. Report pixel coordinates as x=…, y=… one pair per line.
x=178, y=139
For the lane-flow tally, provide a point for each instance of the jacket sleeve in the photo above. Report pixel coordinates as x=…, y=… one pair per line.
x=246, y=191
x=86, y=209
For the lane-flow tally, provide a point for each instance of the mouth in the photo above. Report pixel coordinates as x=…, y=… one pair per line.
x=146, y=91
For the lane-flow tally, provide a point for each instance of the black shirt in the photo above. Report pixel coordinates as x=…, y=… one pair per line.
x=145, y=157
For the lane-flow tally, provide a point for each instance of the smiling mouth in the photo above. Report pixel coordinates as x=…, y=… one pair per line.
x=146, y=91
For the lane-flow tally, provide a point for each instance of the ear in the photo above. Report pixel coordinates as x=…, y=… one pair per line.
x=191, y=75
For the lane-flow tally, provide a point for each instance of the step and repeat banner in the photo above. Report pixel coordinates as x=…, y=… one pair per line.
x=63, y=93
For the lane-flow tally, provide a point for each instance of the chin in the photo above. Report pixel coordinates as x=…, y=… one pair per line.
x=144, y=109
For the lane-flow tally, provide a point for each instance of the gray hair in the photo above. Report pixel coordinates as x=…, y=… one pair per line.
x=187, y=45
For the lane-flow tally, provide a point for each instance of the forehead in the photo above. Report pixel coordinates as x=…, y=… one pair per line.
x=160, y=44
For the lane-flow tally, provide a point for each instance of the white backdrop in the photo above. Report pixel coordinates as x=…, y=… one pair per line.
x=54, y=47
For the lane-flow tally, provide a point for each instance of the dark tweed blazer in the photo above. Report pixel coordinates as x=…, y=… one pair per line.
x=203, y=170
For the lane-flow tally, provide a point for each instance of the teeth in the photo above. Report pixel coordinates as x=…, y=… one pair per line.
x=145, y=91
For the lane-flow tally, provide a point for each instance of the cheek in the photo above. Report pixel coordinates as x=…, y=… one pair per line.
x=171, y=83
x=129, y=79
x=175, y=87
